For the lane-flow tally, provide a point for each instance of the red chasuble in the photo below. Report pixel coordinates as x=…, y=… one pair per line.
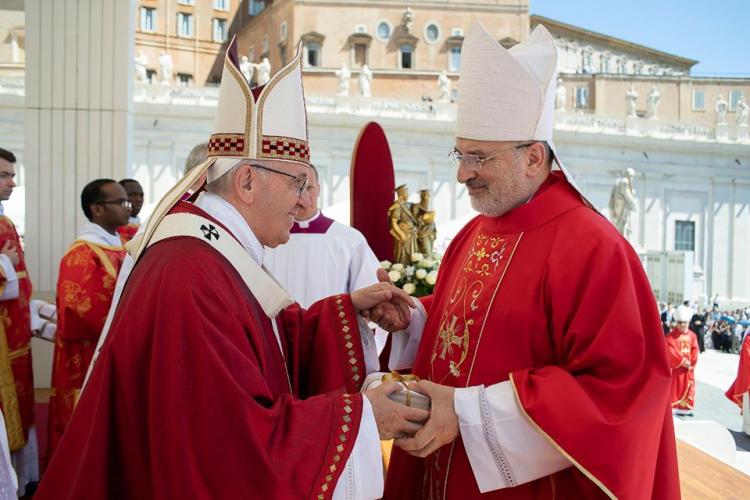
x=85, y=284
x=682, y=348
x=741, y=384
x=16, y=378
x=192, y=397
x=551, y=297
x=127, y=232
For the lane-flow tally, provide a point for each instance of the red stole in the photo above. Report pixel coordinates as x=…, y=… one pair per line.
x=16, y=378
x=741, y=384
x=85, y=285
x=682, y=346
x=552, y=298
x=191, y=396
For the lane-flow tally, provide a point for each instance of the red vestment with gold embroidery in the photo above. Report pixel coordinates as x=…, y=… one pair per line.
x=16, y=377
x=682, y=348
x=741, y=384
x=192, y=397
x=127, y=232
x=551, y=297
x=85, y=285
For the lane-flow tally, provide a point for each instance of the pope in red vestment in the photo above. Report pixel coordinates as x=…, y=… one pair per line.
x=85, y=284
x=682, y=348
x=741, y=384
x=191, y=396
x=550, y=297
x=16, y=378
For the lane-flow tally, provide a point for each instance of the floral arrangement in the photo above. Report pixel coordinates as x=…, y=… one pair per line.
x=418, y=278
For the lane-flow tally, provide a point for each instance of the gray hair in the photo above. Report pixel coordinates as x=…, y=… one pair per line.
x=197, y=155
x=223, y=184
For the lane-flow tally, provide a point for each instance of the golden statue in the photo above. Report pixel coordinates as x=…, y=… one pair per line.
x=425, y=217
x=403, y=226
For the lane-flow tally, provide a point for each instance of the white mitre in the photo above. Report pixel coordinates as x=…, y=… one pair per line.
x=683, y=314
x=264, y=123
x=508, y=94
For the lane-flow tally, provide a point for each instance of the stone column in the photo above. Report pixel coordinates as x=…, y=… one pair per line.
x=78, y=117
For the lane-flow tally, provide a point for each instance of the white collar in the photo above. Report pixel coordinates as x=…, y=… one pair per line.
x=96, y=234
x=223, y=211
x=134, y=220
x=304, y=224
x=2, y=209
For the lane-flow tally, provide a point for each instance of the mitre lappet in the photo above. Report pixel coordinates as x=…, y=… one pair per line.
x=508, y=94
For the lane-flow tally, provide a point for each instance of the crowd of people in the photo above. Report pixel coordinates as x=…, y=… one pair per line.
x=714, y=327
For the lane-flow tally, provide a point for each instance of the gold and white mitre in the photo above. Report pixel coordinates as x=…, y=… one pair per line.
x=265, y=123
x=508, y=94
x=269, y=122
x=683, y=313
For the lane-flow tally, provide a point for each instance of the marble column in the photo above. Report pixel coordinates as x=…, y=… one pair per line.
x=78, y=117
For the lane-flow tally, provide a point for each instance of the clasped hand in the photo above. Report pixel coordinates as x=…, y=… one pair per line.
x=384, y=304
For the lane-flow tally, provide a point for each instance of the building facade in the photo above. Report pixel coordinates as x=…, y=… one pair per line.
x=691, y=154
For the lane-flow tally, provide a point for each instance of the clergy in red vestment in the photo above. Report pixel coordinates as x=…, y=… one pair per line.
x=85, y=283
x=739, y=391
x=16, y=378
x=135, y=195
x=682, y=348
x=211, y=382
x=541, y=347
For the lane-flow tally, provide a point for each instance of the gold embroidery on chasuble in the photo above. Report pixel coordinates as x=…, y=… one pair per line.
x=469, y=300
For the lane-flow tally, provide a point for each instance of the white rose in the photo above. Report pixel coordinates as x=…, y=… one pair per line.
x=397, y=266
x=409, y=288
x=394, y=275
x=409, y=270
x=421, y=273
x=431, y=277
x=416, y=257
x=427, y=263
x=386, y=264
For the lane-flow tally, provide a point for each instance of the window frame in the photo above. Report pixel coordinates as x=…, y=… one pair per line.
x=694, y=94
x=680, y=227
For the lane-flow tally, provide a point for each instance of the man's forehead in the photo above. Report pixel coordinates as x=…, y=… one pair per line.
x=291, y=167
x=114, y=189
x=132, y=187
x=7, y=167
x=471, y=146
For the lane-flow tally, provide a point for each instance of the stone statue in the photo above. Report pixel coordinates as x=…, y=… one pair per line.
x=742, y=112
x=343, y=75
x=652, y=100
x=141, y=61
x=631, y=97
x=721, y=110
x=403, y=226
x=407, y=19
x=365, y=78
x=246, y=68
x=444, y=85
x=165, y=61
x=561, y=95
x=264, y=71
x=425, y=217
x=622, y=202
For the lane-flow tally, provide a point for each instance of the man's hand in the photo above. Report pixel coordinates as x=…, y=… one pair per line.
x=10, y=251
x=389, y=316
x=365, y=299
x=440, y=429
x=394, y=420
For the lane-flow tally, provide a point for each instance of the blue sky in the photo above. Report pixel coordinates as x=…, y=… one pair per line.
x=716, y=33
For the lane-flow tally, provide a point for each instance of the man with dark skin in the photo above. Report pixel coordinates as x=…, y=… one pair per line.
x=85, y=286
x=135, y=195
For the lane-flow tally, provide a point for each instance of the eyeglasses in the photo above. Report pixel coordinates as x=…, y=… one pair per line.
x=299, y=184
x=474, y=162
x=122, y=203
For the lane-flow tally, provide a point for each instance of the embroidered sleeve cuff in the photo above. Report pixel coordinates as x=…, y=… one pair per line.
x=404, y=344
x=504, y=449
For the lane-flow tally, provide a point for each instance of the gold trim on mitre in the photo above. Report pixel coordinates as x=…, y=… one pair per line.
x=282, y=146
